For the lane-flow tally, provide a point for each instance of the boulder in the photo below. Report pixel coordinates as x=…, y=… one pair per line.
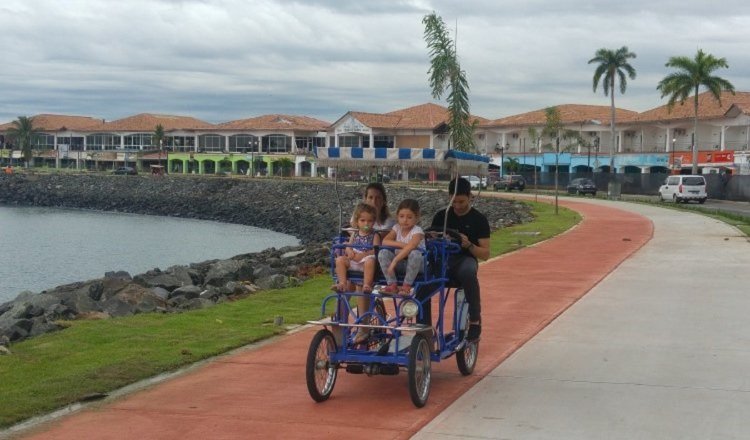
x=276, y=281
x=223, y=271
x=174, y=277
x=189, y=292
x=120, y=275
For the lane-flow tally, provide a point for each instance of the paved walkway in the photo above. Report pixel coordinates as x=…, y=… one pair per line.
x=262, y=393
x=659, y=349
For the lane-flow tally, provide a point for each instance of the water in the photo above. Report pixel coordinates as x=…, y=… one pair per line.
x=45, y=247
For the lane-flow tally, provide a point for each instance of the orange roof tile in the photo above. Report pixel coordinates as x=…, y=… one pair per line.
x=51, y=123
x=708, y=108
x=276, y=122
x=429, y=115
x=147, y=122
x=569, y=114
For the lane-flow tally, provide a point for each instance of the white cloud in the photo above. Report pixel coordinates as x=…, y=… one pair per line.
x=220, y=60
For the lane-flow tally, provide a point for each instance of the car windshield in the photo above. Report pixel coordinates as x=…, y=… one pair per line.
x=693, y=181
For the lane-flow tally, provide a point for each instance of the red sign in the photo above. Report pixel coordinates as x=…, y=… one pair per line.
x=704, y=158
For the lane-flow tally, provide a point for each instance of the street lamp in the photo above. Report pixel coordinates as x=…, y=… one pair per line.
x=502, y=157
x=252, y=144
x=673, y=164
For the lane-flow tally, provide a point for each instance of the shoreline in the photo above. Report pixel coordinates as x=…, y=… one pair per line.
x=305, y=210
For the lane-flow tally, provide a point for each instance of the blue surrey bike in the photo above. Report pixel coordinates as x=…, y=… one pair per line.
x=398, y=336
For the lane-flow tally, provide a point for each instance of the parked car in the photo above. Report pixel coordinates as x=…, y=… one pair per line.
x=684, y=188
x=476, y=182
x=126, y=170
x=510, y=182
x=582, y=186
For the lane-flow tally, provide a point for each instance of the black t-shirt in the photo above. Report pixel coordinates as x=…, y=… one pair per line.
x=473, y=224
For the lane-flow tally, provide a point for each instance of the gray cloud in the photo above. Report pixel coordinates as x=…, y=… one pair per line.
x=220, y=60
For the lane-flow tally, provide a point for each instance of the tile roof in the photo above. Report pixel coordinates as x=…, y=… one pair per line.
x=569, y=114
x=276, y=122
x=427, y=116
x=47, y=122
x=708, y=108
x=147, y=122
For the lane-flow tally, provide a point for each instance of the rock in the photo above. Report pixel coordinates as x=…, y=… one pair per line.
x=196, y=303
x=41, y=326
x=291, y=254
x=173, y=278
x=4, y=350
x=277, y=281
x=224, y=271
x=160, y=292
x=189, y=292
x=120, y=275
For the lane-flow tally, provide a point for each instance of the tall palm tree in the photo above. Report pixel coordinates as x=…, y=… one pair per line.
x=23, y=132
x=691, y=74
x=613, y=64
x=159, y=138
x=445, y=73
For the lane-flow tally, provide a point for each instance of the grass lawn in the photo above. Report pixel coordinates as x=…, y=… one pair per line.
x=53, y=370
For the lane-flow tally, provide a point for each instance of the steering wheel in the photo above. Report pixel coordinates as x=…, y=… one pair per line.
x=452, y=234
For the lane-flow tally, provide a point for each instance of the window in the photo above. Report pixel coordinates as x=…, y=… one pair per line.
x=138, y=141
x=277, y=143
x=43, y=141
x=102, y=141
x=242, y=143
x=349, y=141
x=211, y=142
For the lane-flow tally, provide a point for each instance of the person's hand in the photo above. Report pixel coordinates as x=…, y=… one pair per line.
x=465, y=243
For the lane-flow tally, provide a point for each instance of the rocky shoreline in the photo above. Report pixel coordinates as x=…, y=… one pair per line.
x=307, y=210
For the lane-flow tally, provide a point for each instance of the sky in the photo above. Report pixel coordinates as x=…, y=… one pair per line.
x=223, y=60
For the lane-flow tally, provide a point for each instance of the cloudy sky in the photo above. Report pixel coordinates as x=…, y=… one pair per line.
x=221, y=60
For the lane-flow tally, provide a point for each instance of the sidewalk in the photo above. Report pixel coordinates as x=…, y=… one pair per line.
x=262, y=393
x=658, y=350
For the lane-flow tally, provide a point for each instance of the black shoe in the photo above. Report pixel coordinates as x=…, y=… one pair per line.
x=475, y=331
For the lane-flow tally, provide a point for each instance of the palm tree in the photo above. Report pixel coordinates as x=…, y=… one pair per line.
x=611, y=65
x=691, y=74
x=23, y=132
x=159, y=139
x=445, y=73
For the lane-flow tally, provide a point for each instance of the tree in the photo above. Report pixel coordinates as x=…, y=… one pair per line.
x=691, y=74
x=612, y=65
x=446, y=74
x=23, y=132
x=285, y=164
x=159, y=139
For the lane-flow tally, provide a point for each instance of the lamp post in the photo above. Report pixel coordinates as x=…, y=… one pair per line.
x=673, y=164
x=502, y=157
x=252, y=144
x=161, y=148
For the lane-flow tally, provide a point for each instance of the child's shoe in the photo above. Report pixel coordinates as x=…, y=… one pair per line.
x=390, y=289
x=405, y=290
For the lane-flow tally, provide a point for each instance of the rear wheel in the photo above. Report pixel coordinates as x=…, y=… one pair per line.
x=466, y=358
x=420, y=370
x=702, y=201
x=320, y=371
x=675, y=199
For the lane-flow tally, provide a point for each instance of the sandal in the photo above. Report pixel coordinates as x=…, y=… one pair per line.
x=475, y=330
x=366, y=289
x=405, y=290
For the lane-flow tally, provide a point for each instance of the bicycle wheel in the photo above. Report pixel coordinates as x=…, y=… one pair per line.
x=320, y=372
x=420, y=370
x=466, y=358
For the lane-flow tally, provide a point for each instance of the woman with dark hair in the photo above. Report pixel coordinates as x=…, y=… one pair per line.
x=375, y=197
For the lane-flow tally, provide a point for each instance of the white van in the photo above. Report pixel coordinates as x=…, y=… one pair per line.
x=683, y=188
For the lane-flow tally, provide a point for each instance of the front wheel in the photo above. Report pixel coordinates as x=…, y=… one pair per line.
x=420, y=370
x=320, y=371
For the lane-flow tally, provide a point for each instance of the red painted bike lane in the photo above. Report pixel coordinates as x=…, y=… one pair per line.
x=261, y=393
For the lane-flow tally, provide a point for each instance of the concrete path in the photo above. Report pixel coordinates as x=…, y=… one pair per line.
x=262, y=393
x=660, y=349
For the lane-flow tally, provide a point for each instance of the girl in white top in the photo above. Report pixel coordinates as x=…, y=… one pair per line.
x=408, y=238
